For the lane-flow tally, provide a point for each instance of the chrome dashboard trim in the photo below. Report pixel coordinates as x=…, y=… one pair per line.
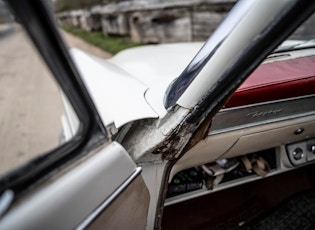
x=231, y=119
x=92, y=216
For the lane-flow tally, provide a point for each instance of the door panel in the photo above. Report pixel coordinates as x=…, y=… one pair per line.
x=134, y=213
x=70, y=199
x=72, y=185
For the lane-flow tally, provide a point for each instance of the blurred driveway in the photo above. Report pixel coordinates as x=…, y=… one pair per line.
x=30, y=103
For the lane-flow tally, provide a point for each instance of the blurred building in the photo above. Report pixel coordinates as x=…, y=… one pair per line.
x=152, y=21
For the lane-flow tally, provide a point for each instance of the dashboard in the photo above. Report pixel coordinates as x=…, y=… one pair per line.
x=272, y=116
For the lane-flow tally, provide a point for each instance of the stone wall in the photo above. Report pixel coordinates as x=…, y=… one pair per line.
x=161, y=26
x=153, y=21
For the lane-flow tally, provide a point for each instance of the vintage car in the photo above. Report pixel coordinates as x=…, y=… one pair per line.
x=218, y=135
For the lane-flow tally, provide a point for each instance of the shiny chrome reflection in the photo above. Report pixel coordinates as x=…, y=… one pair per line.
x=180, y=84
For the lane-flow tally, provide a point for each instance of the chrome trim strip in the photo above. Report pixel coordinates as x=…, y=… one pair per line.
x=90, y=218
x=6, y=200
x=180, y=84
x=262, y=113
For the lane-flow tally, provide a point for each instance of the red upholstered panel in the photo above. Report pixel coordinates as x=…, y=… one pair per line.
x=277, y=80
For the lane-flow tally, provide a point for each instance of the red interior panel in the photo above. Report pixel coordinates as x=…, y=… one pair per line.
x=277, y=80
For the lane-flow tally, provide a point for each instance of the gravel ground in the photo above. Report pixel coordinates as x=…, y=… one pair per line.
x=30, y=102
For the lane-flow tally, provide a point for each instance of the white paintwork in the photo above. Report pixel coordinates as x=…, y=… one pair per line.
x=152, y=176
x=261, y=14
x=65, y=202
x=131, y=85
x=118, y=96
x=155, y=63
x=155, y=95
x=157, y=66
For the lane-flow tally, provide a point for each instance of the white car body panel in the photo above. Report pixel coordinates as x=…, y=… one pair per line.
x=118, y=96
x=153, y=64
x=139, y=75
x=157, y=66
x=65, y=202
x=131, y=85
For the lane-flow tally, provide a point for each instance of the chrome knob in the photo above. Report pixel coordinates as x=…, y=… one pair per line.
x=299, y=131
x=297, y=154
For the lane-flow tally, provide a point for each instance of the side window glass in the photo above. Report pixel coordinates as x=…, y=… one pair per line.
x=306, y=31
x=35, y=118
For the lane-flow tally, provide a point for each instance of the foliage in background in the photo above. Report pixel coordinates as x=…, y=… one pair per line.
x=62, y=5
x=111, y=44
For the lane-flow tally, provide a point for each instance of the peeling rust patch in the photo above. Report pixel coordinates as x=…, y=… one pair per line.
x=200, y=134
x=167, y=146
x=177, y=143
